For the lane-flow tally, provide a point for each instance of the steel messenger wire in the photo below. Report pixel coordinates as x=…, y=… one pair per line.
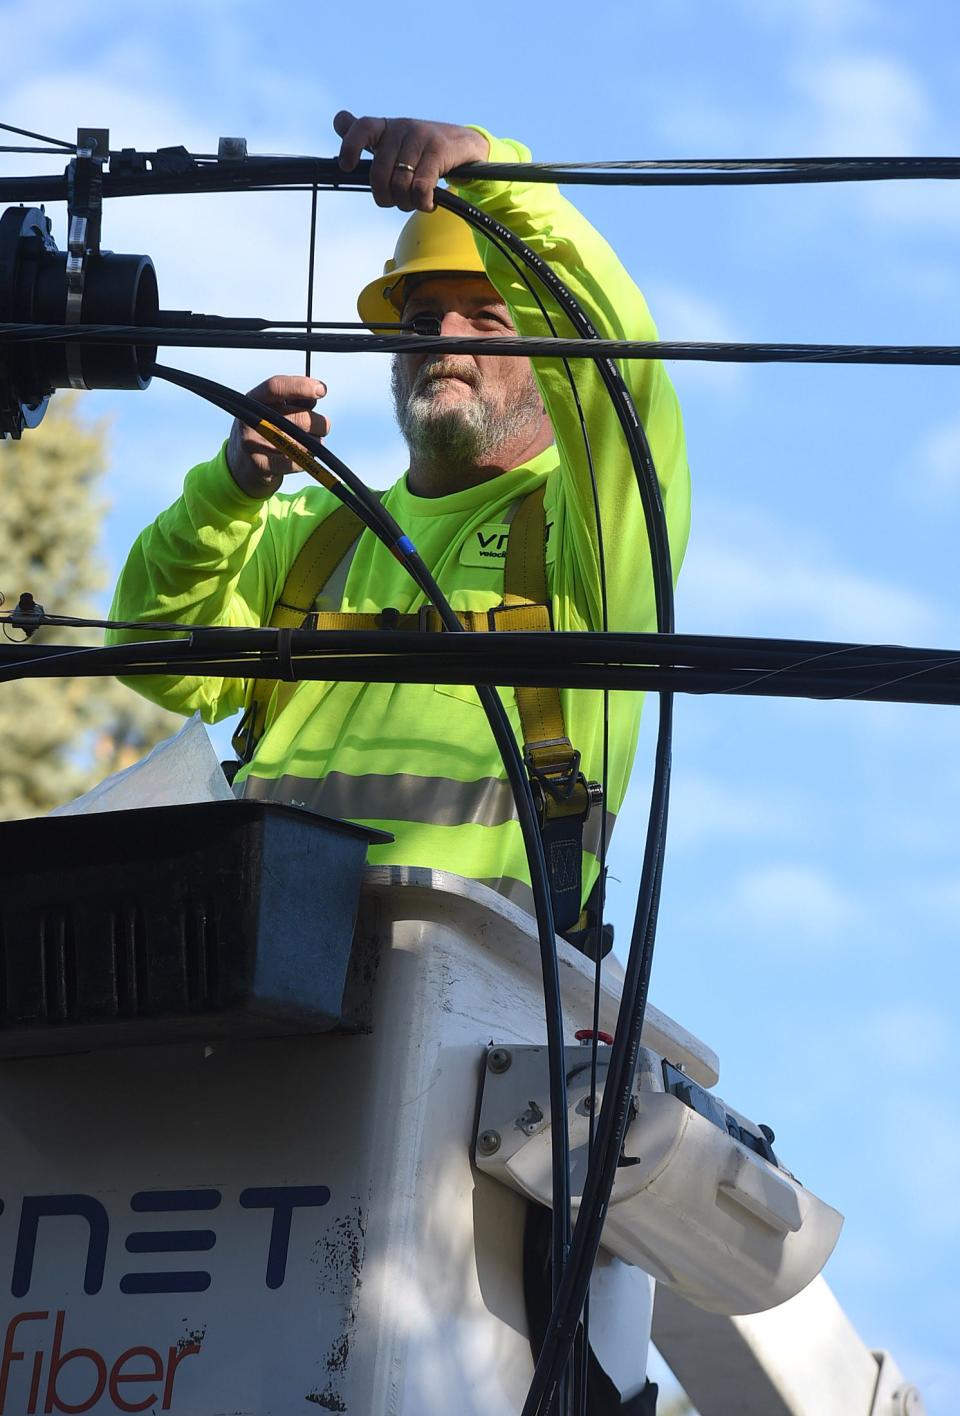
x=56, y=145
x=709, y=664
x=227, y=335
x=175, y=170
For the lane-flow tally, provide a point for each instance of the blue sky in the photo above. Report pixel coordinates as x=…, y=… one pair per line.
x=812, y=887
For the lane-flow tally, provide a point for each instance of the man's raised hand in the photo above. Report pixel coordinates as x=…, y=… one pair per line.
x=257, y=466
x=410, y=155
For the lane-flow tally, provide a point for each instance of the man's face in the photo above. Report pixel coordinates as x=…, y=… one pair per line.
x=462, y=408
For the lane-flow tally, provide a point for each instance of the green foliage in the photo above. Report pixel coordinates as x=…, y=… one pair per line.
x=60, y=736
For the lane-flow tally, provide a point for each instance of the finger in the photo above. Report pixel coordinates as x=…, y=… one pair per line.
x=383, y=170
x=295, y=390
x=425, y=179
x=362, y=133
x=405, y=166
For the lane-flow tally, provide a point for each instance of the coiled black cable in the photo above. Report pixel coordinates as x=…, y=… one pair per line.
x=580, y=1382
x=375, y=515
x=615, y=1109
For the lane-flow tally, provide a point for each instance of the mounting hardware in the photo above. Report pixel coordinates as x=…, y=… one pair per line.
x=231, y=149
x=41, y=285
x=499, y=1059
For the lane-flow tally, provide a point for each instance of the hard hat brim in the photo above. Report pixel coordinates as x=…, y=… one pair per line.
x=375, y=303
x=431, y=243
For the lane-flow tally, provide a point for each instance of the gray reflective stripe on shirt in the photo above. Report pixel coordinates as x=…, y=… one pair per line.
x=402, y=796
x=394, y=796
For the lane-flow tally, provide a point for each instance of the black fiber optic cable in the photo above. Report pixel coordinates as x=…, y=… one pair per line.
x=614, y=1113
x=519, y=271
x=379, y=520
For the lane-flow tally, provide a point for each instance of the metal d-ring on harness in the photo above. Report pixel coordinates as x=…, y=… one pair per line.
x=563, y=796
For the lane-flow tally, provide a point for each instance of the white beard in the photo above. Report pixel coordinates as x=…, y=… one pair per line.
x=463, y=433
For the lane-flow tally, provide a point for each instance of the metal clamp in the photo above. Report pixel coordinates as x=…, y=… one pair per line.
x=84, y=214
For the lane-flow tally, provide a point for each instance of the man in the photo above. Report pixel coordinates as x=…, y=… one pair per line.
x=483, y=431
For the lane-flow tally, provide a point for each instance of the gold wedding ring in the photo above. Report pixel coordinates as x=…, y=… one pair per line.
x=404, y=167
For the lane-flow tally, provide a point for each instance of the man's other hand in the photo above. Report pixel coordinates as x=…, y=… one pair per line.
x=409, y=155
x=257, y=466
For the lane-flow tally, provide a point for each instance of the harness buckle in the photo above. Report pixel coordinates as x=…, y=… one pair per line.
x=559, y=787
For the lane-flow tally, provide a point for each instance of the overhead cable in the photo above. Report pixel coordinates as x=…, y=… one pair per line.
x=519, y=346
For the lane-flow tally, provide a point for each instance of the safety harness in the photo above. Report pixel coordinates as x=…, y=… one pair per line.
x=563, y=796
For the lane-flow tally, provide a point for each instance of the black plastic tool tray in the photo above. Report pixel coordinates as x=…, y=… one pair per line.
x=174, y=922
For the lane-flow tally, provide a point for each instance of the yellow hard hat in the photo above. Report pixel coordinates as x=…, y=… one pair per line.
x=431, y=242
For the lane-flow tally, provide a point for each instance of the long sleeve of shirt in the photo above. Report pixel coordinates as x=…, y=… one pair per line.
x=584, y=261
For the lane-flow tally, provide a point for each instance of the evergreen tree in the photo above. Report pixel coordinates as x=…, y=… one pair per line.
x=60, y=736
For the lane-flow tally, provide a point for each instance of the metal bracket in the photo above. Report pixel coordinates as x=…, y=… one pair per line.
x=232, y=150
x=84, y=217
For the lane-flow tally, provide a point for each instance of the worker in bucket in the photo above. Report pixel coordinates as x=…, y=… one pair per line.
x=497, y=458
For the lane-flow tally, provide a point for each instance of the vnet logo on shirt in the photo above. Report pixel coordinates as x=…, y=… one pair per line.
x=487, y=545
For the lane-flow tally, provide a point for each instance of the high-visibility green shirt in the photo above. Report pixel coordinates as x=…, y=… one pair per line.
x=419, y=760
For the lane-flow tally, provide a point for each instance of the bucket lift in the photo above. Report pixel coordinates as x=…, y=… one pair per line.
x=271, y=1126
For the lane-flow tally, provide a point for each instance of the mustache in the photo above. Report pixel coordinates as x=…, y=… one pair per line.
x=446, y=368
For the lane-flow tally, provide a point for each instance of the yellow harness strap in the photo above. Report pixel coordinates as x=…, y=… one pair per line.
x=318, y=558
x=316, y=561
x=563, y=796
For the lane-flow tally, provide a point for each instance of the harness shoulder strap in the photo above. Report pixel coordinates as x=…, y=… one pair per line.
x=317, y=559
x=563, y=795
x=525, y=571
x=315, y=563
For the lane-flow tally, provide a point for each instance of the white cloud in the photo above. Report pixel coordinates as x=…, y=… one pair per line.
x=925, y=278
x=917, y=1035
x=823, y=17
x=929, y=1178
x=937, y=463
x=790, y=901
x=685, y=314
x=860, y=103
x=936, y=902
x=929, y=206
x=703, y=808
x=746, y=572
